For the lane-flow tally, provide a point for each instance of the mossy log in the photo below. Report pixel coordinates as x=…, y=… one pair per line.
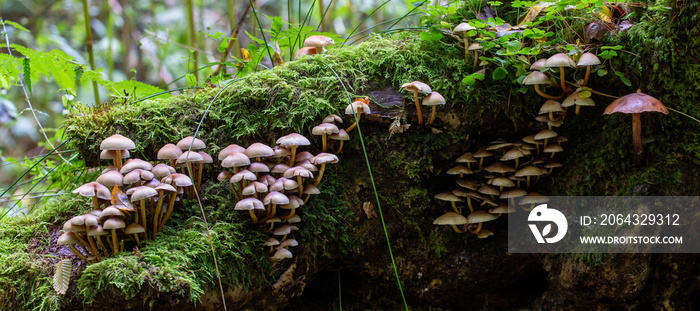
x=341, y=240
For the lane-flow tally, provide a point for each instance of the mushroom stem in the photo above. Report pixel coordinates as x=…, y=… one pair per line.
x=93, y=248
x=143, y=215
x=454, y=207
x=351, y=127
x=528, y=182
x=420, y=114
x=293, y=156
x=547, y=96
x=466, y=47
x=477, y=230
x=136, y=237
x=300, y=182
x=115, y=245
x=323, y=138
x=252, y=216
x=103, y=246
x=340, y=148
x=95, y=203
x=118, y=160
x=638, y=155
x=200, y=168
x=563, y=79
x=469, y=203
x=458, y=230
x=585, y=80
x=234, y=191
x=156, y=215
x=77, y=253
x=320, y=174
x=171, y=206
x=432, y=116
x=172, y=162
x=291, y=213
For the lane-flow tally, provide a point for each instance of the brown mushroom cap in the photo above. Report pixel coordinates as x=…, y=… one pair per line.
x=536, y=77
x=305, y=51
x=111, y=179
x=560, y=60
x=575, y=99
x=450, y=218
x=319, y=42
x=550, y=106
x=588, y=59
x=480, y=216
x=134, y=228
x=417, y=85
x=324, y=128
x=188, y=141
x=169, y=152
x=539, y=64
x=636, y=103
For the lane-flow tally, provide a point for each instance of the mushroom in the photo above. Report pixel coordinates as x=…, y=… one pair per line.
x=636, y=104
x=342, y=136
x=228, y=150
x=134, y=229
x=537, y=78
x=452, y=198
x=322, y=159
x=550, y=107
x=415, y=87
x=112, y=224
x=161, y=192
x=576, y=99
x=300, y=173
x=281, y=253
x=319, y=42
x=453, y=219
x=97, y=232
x=169, y=152
x=528, y=172
x=96, y=191
x=459, y=170
x=305, y=51
x=463, y=28
x=69, y=238
x=587, y=59
x=433, y=99
x=324, y=129
x=272, y=242
x=117, y=143
x=190, y=143
x=356, y=108
x=479, y=217
x=141, y=194
x=560, y=60
x=292, y=141
x=250, y=205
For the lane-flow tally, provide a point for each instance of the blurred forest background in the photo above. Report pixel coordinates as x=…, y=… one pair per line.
x=171, y=45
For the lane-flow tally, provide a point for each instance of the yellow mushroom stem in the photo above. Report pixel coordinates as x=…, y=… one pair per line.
x=529, y=208
x=136, y=237
x=95, y=202
x=320, y=175
x=115, y=245
x=77, y=253
x=143, y=215
x=547, y=96
x=173, y=163
x=477, y=230
x=200, y=168
x=458, y=230
x=455, y=208
x=291, y=213
x=420, y=114
x=171, y=206
x=292, y=157
x=157, y=213
x=300, y=182
x=585, y=80
x=562, y=79
x=234, y=191
x=432, y=115
x=93, y=248
x=102, y=245
x=118, y=160
x=340, y=148
x=466, y=47
x=469, y=203
x=323, y=139
x=351, y=127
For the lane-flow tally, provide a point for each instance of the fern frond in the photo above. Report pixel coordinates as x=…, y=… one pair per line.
x=61, y=278
x=53, y=64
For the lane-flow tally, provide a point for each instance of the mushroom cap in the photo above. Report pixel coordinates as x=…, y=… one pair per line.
x=133, y=164
x=529, y=171
x=298, y=171
x=459, y=169
x=294, y=219
x=513, y=153
x=488, y=190
x=224, y=176
x=448, y=196
x=482, y=153
x=189, y=156
x=165, y=187
x=484, y=233
x=288, y=243
x=206, y=158
x=536, y=77
x=341, y=135
x=243, y=174
x=112, y=154
x=324, y=128
x=142, y=193
x=636, y=103
x=560, y=60
x=279, y=168
x=324, y=157
x=466, y=158
x=169, y=152
x=332, y=118
x=292, y=139
x=67, y=238
x=417, y=86
x=113, y=223
x=248, y=204
x=253, y=188
x=468, y=183
x=513, y=193
x=117, y=142
x=307, y=165
x=134, y=228
x=545, y=134
x=283, y=230
x=475, y=46
x=111, y=179
x=281, y=253
x=228, y=150
x=550, y=106
x=235, y=159
x=533, y=198
x=355, y=106
x=272, y=241
x=161, y=170
x=137, y=175
x=433, y=99
x=588, y=59
x=539, y=64
x=179, y=180
x=111, y=211
x=275, y=197
x=501, y=182
x=480, y=216
x=94, y=189
x=450, y=218
x=503, y=208
x=259, y=150
x=97, y=231
x=304, y=155
x=282, y=184
x=258, y=167
x=499, y=168
x=318, y=41
x=464, y=27
x=575, y=99
x=305, y=51
x=310, y=189
x=196, y=143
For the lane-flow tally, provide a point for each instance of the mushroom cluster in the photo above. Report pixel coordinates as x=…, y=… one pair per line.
x=433, y=99
x=491, y=176
x=127, y=201
x=272, y=183
x=559, y=62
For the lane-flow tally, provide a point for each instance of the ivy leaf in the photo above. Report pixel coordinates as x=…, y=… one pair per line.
x=499, y=73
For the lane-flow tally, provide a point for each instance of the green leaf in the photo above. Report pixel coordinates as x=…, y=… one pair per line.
x=601, y=72
x=18, y=26
x=61, y=278
x=584, y=94
x=27, y=72
x=623, y=78
x=514, y=46
x=499, y=73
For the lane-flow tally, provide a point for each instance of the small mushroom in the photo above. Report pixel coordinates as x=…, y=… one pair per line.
x=356, y=108
x=575, y=99
x=537, y=78
x=453, y=219
x=415, y=87
x=112, y=224
x=319, y=42
x=305, y=51
x=292, y=141
x=433, y=99
x=70, y=239
x=323, y=159
x=464, y=28
x=587, y=59
x=117, y=143
x=561, y=60
x=324, y=129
